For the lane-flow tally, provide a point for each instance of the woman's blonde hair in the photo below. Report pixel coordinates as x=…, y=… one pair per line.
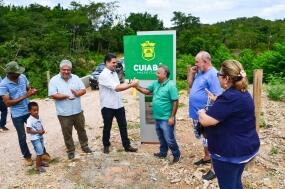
x=234, y=70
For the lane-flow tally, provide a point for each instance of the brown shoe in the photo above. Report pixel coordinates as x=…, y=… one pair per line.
x=46, y=157
x=28, y=161
x=131, y=149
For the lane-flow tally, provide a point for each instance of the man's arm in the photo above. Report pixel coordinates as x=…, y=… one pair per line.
x=79, y=92
x=175, y=107
x=11, y=102
x=125, y=86
x=171, y=120
x=59, y=96
x=190, y=75
x=53, y=92
x=143, y=90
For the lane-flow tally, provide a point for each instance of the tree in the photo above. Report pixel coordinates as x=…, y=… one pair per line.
x=181, y=21
x=246, y=58
x=143, y=22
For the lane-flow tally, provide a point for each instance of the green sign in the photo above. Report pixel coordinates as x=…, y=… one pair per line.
x=144, y=53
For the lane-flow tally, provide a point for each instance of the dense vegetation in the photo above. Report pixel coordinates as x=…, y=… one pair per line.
x=39, y=37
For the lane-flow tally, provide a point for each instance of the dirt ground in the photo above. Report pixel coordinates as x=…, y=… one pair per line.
x=136, y=170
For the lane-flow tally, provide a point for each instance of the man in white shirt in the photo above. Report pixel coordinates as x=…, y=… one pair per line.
x=111, y=103
x=66, y=89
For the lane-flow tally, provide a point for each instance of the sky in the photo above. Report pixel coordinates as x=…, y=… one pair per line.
x=209, y=11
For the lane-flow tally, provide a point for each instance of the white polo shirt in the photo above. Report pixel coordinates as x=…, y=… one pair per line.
x=109, y=98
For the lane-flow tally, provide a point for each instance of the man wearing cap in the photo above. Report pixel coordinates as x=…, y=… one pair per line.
x=66, y=89
x=15, y=91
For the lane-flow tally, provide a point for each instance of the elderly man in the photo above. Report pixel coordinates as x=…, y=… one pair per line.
x=66, y=89
x=112, y=104
x=203, y=80
x=15, y=91
x=164, y=107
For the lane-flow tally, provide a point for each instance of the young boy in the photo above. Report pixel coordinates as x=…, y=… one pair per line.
x=36, y=131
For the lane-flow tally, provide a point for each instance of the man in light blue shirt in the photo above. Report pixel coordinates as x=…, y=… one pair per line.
x=66, y=89
x=202, y=78
x=15, y=91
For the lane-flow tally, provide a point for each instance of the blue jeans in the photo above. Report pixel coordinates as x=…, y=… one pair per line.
x=228, y=174
x=4, y=111
x=20, y=128
x=165, y=133
x=39, y=146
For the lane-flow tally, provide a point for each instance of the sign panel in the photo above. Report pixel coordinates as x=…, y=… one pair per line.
x=144, y=53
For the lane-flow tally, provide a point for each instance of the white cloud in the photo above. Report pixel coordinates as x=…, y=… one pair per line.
x=273, y=10
x=158, y=4
x=207, y=5
x=209, y=11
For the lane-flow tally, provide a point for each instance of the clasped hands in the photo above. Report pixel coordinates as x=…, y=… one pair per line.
x=134, y=83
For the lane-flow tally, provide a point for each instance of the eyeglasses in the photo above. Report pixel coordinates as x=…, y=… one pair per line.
x=220, y=74
x=65, y=70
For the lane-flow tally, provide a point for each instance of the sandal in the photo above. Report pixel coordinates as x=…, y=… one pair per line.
x=210, y=175
x=202, y=162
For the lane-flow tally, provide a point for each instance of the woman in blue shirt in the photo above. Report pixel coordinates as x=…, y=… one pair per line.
x=230, y=126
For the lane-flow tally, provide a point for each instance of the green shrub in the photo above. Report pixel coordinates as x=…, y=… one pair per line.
x=276, y=87
x=246, y=58
x=183, y=61
x=181, y=85
x=219, y=55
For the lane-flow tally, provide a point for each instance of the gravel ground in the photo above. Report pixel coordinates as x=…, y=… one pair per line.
x=136, y=170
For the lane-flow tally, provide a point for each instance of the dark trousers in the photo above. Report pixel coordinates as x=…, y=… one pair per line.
x=108, y=114
x=20, y=128
x=67, y=123
x=4, y=112
x=228, y=174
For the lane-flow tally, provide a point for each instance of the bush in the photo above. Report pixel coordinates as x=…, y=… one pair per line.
x=183, y=61
x=246, y=58
x=219, y=55
x=270, y=62
x=276, y=87
x=181, y=85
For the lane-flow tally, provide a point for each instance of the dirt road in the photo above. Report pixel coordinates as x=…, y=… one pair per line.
x=130, y=170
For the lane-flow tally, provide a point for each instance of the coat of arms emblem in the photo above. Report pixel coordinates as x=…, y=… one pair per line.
x=148, y=50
